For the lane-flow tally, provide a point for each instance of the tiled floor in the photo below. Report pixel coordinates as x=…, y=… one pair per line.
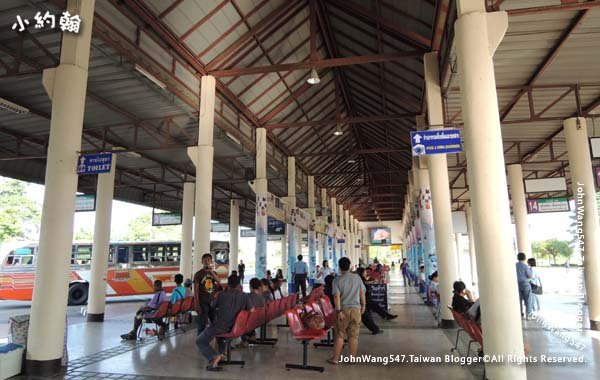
x=96, y=351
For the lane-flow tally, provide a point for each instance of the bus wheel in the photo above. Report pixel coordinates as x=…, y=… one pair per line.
x=78, y=294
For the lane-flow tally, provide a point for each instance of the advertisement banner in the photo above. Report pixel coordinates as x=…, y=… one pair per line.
x=300, y=218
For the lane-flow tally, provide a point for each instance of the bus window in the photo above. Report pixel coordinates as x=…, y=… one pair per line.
x=10, y=259
x=83, y=255
x=111, y=254
x=140, y=253
x=157, y=253
x=172, y=252
x=123, y=255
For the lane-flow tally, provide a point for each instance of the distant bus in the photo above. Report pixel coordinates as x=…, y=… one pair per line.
x=132, y=268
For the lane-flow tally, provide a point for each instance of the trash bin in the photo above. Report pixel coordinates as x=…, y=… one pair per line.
x=11, y=359
x=19, y=328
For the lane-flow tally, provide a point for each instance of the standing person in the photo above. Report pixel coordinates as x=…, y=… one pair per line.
x=524, y=277
x=323, y=272
x=299, y=273
x=206, y=282
x=536, y=283
x=350, y=303
x=279, y=275
x=405, y=274
x=227, y=306
x=367, y=316
x=241, y=270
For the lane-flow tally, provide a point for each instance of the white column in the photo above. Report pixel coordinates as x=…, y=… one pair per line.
x=101, y=244
x=324, y=243
x=204, y=170
x=459, y=250
x=426, y=220
x=584, y=194
x=262, y=192
x=335, y=246
x=292, y=249
x=312, y=235
x=440, y=193
x=341, y=227
x=477, y=35
x=234, y=234
x=187, y=230
x=66, y=86
x=519, y=206
x=348, y=235
x=351, y=243
x=472, y=260
x=284, y=239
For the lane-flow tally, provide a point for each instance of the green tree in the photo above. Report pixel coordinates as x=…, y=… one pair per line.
x=83, y=235
x=19, y=215
x=553, y=248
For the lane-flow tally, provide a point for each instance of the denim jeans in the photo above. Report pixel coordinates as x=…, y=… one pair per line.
x=203, y=343
x=525, y=296
x=206, y=314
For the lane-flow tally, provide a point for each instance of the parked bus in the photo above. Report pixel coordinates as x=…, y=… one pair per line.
x=132, y=268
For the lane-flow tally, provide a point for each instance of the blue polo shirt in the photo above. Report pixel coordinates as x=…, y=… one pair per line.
x=300, y=267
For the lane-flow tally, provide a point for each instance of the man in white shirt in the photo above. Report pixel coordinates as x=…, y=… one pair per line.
x=322, y=273
x=299, y=273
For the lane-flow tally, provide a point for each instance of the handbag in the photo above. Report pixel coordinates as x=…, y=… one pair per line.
x=537, y=289
x=312, y=320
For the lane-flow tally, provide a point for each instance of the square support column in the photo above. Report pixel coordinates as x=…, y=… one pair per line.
x=261, y=190
x=234, y=234
x=187, y=230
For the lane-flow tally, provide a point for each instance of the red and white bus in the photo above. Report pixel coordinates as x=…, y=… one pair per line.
x=132, y=268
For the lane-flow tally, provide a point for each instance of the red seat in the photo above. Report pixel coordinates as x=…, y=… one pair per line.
x=175, y=308
x=305, y=335
x=238, y=329
x=255, y=319
x=271, y=310
x=315, y=294
x=328, y=311
x=186, y=306
x=470, y=327
x=157, y=316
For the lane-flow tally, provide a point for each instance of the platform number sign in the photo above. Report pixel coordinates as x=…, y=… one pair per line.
x=94, y=163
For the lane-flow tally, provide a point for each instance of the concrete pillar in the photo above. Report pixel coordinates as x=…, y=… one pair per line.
x=234, y=234
x=66, y=86
x=440, y=193
x=325, y=250
x=312, y=235
x=352, y=241
x=519, y=206
x=187, y=230
x=584, y=194
x=292, y=230
x=477, y=35
x=101, y=244
x=342, y=246
x=262, y=192
x=459, y=249
x=284, y=260
x=204, y=170
x=334, y=246
x=426, y=220
x=472, y=260
x=348, y=243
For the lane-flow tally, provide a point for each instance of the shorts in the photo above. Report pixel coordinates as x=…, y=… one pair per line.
x=350, y=327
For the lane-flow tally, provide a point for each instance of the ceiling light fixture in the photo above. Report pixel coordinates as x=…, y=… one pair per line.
x=152, y=78
x=314, y=77
x=338, y=130
x=351, y=161
x=12, y=107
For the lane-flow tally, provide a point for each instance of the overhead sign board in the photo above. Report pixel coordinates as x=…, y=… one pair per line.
x=166, y=219
x=545, y=185
x=275, y=227
x=595, y=147
x=436, y=141
x=541, y=205
x=94, y=163
x=219, y=227
x=248, y=233
x=85, y=202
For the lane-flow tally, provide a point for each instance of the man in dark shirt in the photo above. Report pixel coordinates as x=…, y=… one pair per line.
x=241, y=270
x=227, y=306
x=206, y=282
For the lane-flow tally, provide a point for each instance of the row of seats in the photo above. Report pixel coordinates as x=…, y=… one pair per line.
x=247, y=321
x=470, y=327
x=166, y=311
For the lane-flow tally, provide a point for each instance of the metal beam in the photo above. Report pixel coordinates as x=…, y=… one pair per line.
x=348, y=120
x=353, y=152
x=554, y=8
x=320, y=64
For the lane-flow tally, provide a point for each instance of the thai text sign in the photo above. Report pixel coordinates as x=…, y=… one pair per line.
x=541, y=205
x=94, y=163
x=435, y=142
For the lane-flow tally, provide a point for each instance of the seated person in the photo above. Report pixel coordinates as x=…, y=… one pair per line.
x=266, y=289
x=279, y=275
x=188, y=284
x=255, y=300
x=269, y=276
x=328, y=289
x=227, y=306
x=463, y=302
x=276, y=289
x=179, y=292
x=146, y=311
x=433, y=296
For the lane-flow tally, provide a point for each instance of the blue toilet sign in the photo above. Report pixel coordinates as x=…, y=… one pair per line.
x=435, y=142
x=94, y=163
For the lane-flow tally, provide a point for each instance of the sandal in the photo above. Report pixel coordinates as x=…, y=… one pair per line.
x=331, y=361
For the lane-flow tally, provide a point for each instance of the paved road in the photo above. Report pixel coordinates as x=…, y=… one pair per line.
x=117, y=307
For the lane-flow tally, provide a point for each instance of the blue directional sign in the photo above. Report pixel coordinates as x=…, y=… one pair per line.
x=94, y=163
x=435, y=142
